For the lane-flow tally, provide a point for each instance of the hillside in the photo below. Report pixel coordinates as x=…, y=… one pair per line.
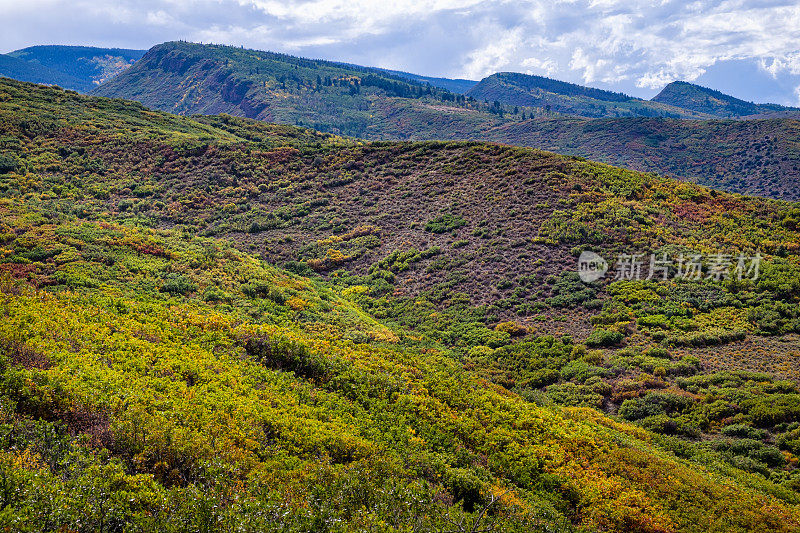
x=511, y=88
x=454, y=85
x=711, y=102
x=209, y=322
x=189, y=78
x=80, y=68
x=18, y=69
x=760, y=157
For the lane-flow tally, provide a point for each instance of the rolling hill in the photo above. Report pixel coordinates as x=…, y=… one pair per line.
x=709, y=101
x=189, y=78
x=457, y=85
x=511, y=88
x=756, y=157
x=760, y=157
x=677, y=100
x=215, y=322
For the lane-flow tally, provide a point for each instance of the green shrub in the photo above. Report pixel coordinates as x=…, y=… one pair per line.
x=654, y=403
x=604, y=337
x=445, y=223
x=176, y=284
x=7, y=163
x=743, y=431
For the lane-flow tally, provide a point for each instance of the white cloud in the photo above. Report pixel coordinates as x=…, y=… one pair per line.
x=495, y=55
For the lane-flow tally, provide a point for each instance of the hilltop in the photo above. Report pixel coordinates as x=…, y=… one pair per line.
x=511, y=88
x=716, y=103
x=457, y=85
x=677, y=100
x=252, y=320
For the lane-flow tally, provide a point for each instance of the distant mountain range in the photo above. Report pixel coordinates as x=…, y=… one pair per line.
x=742, y=155
x=80, y=68
x=457, y=85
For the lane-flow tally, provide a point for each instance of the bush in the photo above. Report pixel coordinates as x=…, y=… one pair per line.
x=215, y=294
x=575, y=395
x=654, y=403
x=512, y=328
x=604, y=337
x=773, y=409
x=568, y=290
x=177, y=284
x=445, y=223
x=263, y=289
x=7, y=164
x=743, y=431
x=666, y=425
x=579, y=371
x=286, y=354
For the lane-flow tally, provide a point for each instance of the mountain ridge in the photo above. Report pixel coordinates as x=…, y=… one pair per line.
x=705, y=100
x=372, y=104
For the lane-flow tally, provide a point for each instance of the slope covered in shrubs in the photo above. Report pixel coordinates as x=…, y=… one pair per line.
x=220, y=322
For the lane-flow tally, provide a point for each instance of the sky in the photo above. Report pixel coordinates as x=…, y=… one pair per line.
x=748, y=48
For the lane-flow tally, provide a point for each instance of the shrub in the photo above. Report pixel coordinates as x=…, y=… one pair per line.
x=215, y=294
x=604, y=337
x=654, y=403
x=572, y=394
x=263, y=289
x=568, y=290
x=579, y=371
x=177, y=284
x=7, y=163
x=512, y=328
x=743, y=431
x=657, y=351
x=445, y=223
x=286, y=354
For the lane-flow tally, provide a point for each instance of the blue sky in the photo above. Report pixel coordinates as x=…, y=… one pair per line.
x=750, y=49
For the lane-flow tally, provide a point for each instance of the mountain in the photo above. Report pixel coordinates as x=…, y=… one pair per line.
x=189, y=78
x=91, y=65
x=18, y=69
x=676, y=100
x=709, y=101
x=511, y=88
x=227, y=323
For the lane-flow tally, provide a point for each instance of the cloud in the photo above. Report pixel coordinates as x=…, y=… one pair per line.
x=635, y=46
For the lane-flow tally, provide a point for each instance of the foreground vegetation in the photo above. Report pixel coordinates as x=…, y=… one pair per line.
x=406, y=358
